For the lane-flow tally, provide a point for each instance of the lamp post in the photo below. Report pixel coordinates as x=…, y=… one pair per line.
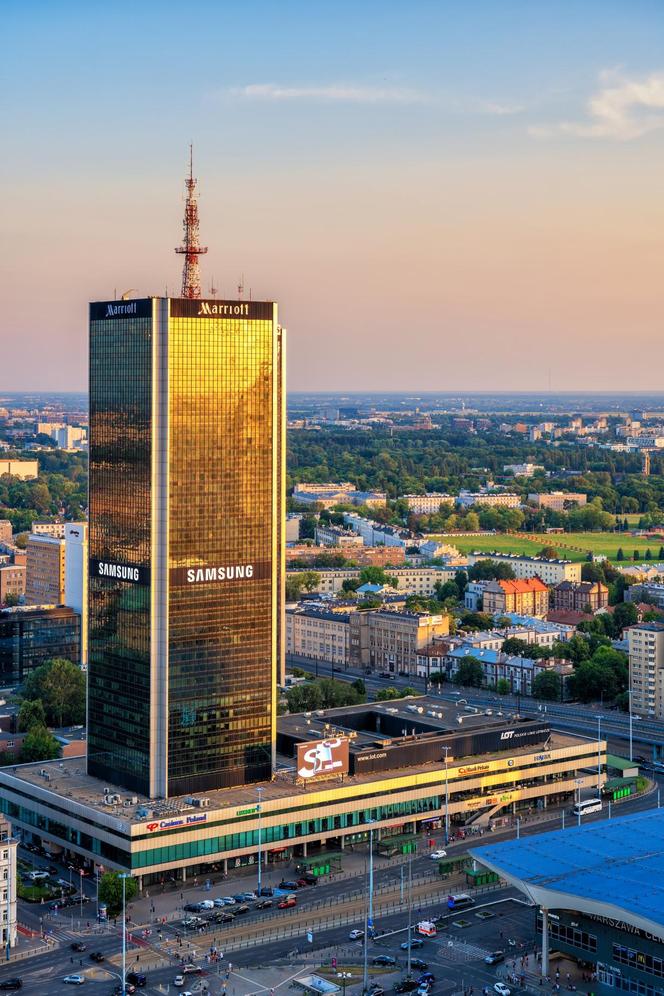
x=578, y=783
x=124, y=876
x=368, y=916
x=344, y=977
x=259, y=790
x=629, y=702
x=599, y=756
x=447, y=798
x=410, y=911
x=518, y=827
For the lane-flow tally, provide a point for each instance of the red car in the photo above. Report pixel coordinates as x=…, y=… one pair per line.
x=287, y=903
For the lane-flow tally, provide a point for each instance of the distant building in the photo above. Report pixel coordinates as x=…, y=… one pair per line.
x=474, y=594
x=45, y=579
x=343, y=493
x=6, y=533
x=375, y=533
x=490, y=499
x=70, y=437
x=518, y=672
x=31, y=635
x=427, y=504
x=43, y=527
x=646, y=668
x=12, y=582
x=522, y=469
x=528, y=597
x=365, y=556
x=331, y=535
x=550, y=571
x=389, y=641
x=318, y=634
x=25, y=470
x=410, y=580
x=434, y=548
x=8, y=876
x=650, y=592
x=293, y=521
x=76, y=578
x=579, y=596
x=558, y=501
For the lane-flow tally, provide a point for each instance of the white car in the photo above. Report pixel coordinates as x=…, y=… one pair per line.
x=502, y=989
x=36, y=876
x=228, y=901
x=437, y=855
x=74, y=980
x=356, y=935
x=178, y=980
x=207, y=904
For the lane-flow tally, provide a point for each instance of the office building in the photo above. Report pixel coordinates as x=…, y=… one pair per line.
x=8, y=884
x=12, y=583
x=30, y=635
x=45, y=577
x=526, y=598
x=43, y=527
x=331, y=535
x=76, y=578
x=375, y=533
x=579, y=596
x=186, y=542
x=558, y=501
x=293, y=521
x=646, y=669
x=389, y=641
x=329, y=494
x=549, y=571
x=6, y=532
x=318, y=634
x=25, y=470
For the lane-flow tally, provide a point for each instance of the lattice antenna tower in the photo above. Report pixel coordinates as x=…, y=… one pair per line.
x=191, y=248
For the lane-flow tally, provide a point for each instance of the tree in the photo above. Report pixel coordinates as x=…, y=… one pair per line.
x=620, y=554
x=376, y=575
x=490, y=570
x=39, y=745
x=503, y=686
x=624, y=614
x=304, y=698
x=660, y=555
x=360, y=687
x=387, y=694
x=547, y=686
x=470, y=672
x=61, y=687
x=636, y=555
x=549, y=553
x=110, y=891
x=30, y=714
x=475, y=621
x=437, y=677
x=516, y=647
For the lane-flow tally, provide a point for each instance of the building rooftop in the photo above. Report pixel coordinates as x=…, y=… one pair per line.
x=613, y=868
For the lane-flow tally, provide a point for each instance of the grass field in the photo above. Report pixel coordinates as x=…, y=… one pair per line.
x=571, y=546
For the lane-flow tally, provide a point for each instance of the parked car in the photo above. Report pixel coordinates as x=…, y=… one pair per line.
x=249, y=897
x=37, y=876
x=74, y=980
x=118, y=991
x=223, y=917
x=502, y=989
x=287, y=903
x=267, y=891
x=178, y=980
x=192, y=907
x=383, y=959
x=206, y=904
x=78, y=946
x=419, y=963
x=239, y=910
x=97, y=956
x=228, y=900
x=11, y=984
x=405, y=986
x=52, y=870
x=495, y=958
x=423, y=989
x=437, y=855
x=287, y=885
x=356, y=934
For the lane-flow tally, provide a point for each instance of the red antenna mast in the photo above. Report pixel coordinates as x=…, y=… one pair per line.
x=190, y=248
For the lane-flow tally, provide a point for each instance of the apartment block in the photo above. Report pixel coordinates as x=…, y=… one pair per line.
x=45, y=579
x=427, y=504
x=375, y=533
x=331, y=535
x=389, y=641
x=12, y=583
x=558, y=501
x=318, y=634
x=528, y=597
x=44, y=527
x=549, y=571
x=365, y=556
x=579, y=596
x=646, y=669
x=8, y=883
x=497, y=499
x=25, y=470
x=6, y=533
x=410, y=580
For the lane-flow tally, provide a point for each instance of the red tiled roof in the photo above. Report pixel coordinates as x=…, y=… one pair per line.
x=523, y=587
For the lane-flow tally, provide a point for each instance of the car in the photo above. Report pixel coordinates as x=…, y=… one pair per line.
x=192, y=907
x=137, y=979
x=423, y=989
x=97, y=956
x=287, y=885
x=356, y=934
x=190, y=969
x=405, y=986
x=37, y=876
x=78, y=946
x=118, y=991
x=437, y=855
x=224, y=916
x=74, y=980
x=189, y=922
x=287, y=903
x=228, y=900
x=206, y=904
x=263, y=904
x=502, y=989
x=419, y=963
x=383, y=960
x=249, y=897
x=239, y=897
x=416, y=942
x=267, y=891
x=11, y=984
x=376, y=990
x=187, y=992
x=240, y=910
x=495, y=958
x=219, y=903
x=303, y=882
x=427, y=977
x=178, y=980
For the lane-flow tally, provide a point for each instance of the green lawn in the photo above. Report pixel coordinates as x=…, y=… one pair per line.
x=572, y=546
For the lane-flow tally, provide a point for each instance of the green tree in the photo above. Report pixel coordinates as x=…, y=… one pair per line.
x=547, y=686
x=503, y=686
x=360, y=687
x=624, y=614
x=516, y=647
x=620, y=553
x=387, y=694
x=304, y=698
x=437, y=677
x=61, y=687
x=110, y=891
x=39, y=745
x=636, y=555
x=489, y=570
x=376, y=575
x=470, y=672
x=549, y=553
x=30, y=714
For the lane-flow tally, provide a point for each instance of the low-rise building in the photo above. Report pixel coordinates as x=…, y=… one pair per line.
x=9, y=883
x=293, y=520
x=6, y=533
x=12, y=583
x=646, y=669
x=389, y=641
x=474, y=595
x=579, y=596
x=522, y=469
x=45, y=579
x=31, y=635
x=497, y=499
x=44, y=527
x=518, y=672
x=558, y=501
x=375, y=533
x=650, y=592
x=529, y=597
x=25, y=470
x=318, y=634
x=428, y=504
x=410, y=580
x=549, y=571
x=331, y=535
x=344, y=493
x=365, y=556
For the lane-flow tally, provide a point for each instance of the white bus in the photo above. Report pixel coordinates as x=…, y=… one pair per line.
x=587, y=806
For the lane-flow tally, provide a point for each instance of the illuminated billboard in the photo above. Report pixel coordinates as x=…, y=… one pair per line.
x=323, y=758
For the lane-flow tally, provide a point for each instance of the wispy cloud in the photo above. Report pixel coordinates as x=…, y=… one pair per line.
x=334, y=93
x=622, y=109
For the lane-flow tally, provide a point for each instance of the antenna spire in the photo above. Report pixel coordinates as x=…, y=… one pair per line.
x=191, y=248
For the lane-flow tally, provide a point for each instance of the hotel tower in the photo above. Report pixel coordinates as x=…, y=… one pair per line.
x=186, y=546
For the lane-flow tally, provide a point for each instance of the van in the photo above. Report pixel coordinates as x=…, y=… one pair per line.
x=459, y=901
x=426, y=928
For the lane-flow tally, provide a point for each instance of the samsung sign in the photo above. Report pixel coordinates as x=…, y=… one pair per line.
x=115, y=571
x=218, y=573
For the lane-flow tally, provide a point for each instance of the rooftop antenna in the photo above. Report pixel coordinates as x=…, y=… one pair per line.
x=213, y=290
x=125, y=296
x=240, y=288
x=191, y=248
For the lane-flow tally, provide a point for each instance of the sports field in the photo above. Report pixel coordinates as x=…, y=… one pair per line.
x=571, y=546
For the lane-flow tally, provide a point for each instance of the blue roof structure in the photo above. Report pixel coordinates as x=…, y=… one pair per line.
x=612, y=868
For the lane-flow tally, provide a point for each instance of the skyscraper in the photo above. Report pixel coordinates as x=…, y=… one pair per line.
x=186, y=544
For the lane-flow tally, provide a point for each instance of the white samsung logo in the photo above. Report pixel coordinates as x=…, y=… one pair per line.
x=128, y=308
x=234, y=572
x=120, y=571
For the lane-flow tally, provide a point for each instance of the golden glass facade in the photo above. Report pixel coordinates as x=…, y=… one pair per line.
x=186, y=482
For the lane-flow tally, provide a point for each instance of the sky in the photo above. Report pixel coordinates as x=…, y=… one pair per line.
x=439, y=195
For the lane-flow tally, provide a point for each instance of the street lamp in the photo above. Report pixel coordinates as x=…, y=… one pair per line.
x=447, y=799
x=124, y=876
x=368, y=925
x=599, y=756
x=344, y=977
x=259, y=790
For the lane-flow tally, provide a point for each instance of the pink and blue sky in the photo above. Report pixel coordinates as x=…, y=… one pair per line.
x=440, y=195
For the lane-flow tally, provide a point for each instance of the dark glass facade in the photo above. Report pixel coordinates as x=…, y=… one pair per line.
x=186, y=483
x=30, y=637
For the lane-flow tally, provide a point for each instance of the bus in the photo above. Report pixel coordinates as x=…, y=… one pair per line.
x=587, y=806
x=459, y=901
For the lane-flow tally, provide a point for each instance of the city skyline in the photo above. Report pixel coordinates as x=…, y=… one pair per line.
x=494, y=169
